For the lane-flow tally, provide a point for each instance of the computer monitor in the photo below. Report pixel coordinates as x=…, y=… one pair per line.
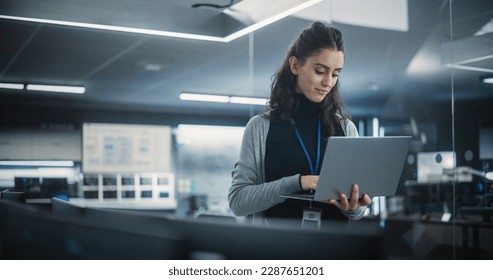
x=53, y=186
x=335, y=241
x=27, y=184
x=431, y=165
x=486, y=143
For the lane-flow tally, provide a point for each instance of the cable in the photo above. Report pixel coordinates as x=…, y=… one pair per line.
x=213, y=5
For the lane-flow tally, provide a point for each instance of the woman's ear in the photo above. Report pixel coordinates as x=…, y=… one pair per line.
x=293, y=65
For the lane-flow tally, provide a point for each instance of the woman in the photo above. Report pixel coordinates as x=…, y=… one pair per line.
x=279, y=149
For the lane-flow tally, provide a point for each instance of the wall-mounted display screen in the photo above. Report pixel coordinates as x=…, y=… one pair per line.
x=120, y=148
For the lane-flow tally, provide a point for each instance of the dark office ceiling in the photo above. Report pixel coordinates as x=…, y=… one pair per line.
x=386, y=72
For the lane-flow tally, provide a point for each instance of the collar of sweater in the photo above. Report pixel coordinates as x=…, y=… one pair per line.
x=306, y=108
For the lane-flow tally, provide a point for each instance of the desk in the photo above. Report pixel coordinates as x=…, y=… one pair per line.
x=71, y=232
x=129, y=204
x=436, y=196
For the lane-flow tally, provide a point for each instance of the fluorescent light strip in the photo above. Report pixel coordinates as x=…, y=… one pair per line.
x=204, y=97
x=11, y=86
x=270, y=20
x=57, y=163
x=223, y=98
x=488, y=80
x=476, y=59
x=50, y=88
x=226, y=39
x=247, y=100
x=118, y=28
x=464, y=67
x=460, y=64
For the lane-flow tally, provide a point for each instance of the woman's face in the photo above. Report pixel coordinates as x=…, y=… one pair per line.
x=318, y=74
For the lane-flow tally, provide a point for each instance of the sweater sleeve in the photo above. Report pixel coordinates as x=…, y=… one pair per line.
x=249, y=193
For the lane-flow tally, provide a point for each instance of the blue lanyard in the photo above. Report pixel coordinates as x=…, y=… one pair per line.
x=314, y=172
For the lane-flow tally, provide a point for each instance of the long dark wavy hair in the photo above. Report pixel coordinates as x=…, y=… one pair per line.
x=283, y=88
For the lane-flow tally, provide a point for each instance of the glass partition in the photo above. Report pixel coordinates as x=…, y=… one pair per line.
x=469, y=56
x=205, y=156
x=395, y=83
x=401, y=77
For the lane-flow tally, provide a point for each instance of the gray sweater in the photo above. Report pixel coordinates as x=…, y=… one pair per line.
x=249, y=193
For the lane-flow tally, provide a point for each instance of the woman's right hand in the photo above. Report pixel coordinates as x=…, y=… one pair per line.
x=309, y=182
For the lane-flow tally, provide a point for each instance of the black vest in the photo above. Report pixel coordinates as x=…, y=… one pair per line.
x=285, y=157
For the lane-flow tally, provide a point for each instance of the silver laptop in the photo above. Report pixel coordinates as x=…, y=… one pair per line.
x=374, y=163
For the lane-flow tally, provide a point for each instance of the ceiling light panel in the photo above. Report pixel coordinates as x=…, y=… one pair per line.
x=12, y=86
x=248, y=100
x=51, y=88
x=372, y=14
x=204, y=97
x=488, y=80
x=223, y=98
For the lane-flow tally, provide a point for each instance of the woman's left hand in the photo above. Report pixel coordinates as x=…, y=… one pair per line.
x=351, y=204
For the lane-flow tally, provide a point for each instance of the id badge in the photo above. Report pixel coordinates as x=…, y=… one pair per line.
x=312, y=218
